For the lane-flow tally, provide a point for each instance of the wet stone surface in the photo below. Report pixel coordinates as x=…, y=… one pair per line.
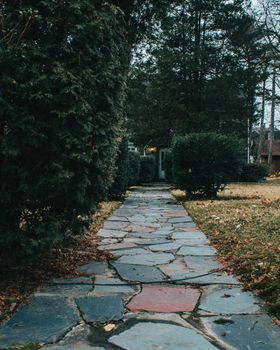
x=139, y=273
x=245, y=332
x=147, y=259
x=93, y=268
x=196, y=251
x=70, y=287
x=202, y=263
x=77, y=346
x=153, y=335
x=108, y=286
x=144, y=298
x=228, y=301
x=100, y=309
x=43, y=320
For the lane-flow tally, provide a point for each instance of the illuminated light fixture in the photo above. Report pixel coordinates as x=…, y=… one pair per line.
x=151, y=150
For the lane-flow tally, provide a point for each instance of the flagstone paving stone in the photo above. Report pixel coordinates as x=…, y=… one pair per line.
x=115, y=225
x=107, y=286
x=177, y=268
x=245, y=332
x=117, y=218
x=111, y=233
x=70, y=287
x=228, y=301
x=184, y=225
x=116, y=246
x=160, y=254
x=165, y=247
x=44, y=319
x=145, y=235
x=131, y=251
x=148, y=259
x=202, y=263
x=188, y=235
x=194, y=242
x=197, y=251
x=165, y=299
x=201, y=277
x=93, y=268
x=147, y=241
x=180, y=220
x=156, y=335
x=139, y=273
x=77, y=346
x=101, y=309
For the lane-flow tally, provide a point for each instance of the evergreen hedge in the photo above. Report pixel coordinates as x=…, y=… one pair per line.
x=133, y=168
x=203, y=163
x=147, y=169
x=120, y=184
x=62, y=70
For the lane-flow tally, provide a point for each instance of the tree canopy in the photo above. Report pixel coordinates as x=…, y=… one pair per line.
x=198, y=70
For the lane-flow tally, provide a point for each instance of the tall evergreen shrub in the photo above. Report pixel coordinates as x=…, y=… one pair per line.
x=120, y=184
x=62, y=73
x=133, y=168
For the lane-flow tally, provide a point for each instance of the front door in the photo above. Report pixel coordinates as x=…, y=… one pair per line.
x=161, y=163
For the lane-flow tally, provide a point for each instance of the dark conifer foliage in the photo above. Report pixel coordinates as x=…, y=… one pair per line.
x=63, y=65
x=197, y=72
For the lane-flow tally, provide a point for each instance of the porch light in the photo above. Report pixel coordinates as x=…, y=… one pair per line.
x=151, y=150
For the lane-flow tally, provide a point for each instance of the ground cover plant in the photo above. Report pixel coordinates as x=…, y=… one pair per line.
x=243, y=223
x=17, y=284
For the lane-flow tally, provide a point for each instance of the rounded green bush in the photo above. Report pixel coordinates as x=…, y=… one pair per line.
x=254, y=172
x=203, y=163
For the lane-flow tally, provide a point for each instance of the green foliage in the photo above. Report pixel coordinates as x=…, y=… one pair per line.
x=147, y=169
x=120, y=183
x=211, y=55
x=203, y=163
x=133, y=168
x=62, y=70
x=254, y=172
x=169, y=166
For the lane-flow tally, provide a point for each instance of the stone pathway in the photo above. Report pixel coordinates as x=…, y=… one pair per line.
x=158, y=293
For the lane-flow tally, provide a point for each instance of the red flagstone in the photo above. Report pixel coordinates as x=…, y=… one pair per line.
x=165, y=299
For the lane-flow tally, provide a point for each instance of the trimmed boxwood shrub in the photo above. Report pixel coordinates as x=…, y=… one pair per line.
x=62, y=71
x=254, y=172
x=147, y=169
x=120, y=184
x=203, y=163
x=133, y=168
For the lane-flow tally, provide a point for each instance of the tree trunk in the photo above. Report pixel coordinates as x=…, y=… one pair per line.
x=272, y=118
x=261, y=137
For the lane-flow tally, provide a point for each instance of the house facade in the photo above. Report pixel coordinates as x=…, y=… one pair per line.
x=275, y=154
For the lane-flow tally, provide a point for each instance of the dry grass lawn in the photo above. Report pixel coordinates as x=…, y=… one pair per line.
x=269, y=190
x=244, y=225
